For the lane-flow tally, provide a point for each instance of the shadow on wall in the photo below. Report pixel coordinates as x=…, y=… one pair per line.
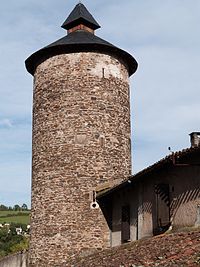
x=191, y=195
x=176, y=207
x=170, y=197
x=146, y=207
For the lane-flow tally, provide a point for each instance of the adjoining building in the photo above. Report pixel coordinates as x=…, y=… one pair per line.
x=163, y=196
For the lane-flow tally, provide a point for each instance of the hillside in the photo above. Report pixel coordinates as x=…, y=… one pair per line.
x=18, y=217
x=168, y=250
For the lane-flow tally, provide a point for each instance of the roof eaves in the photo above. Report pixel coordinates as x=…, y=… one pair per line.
x=159, y=164
x=79, y=41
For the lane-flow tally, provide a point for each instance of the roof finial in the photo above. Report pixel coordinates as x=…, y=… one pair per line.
x=80, y=17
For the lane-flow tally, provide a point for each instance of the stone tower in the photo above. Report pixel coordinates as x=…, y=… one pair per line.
x=81, y=138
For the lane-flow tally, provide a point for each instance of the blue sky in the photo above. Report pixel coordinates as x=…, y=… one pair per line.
x=164, y=37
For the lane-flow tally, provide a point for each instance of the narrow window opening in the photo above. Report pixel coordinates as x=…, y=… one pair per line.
x=93, y=196
x=103, y=73
x=102, y=141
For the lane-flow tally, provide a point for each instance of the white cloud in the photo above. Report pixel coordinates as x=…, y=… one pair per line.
x=6, y=123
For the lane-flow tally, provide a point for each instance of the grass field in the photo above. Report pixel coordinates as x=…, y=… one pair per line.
x=14, y=217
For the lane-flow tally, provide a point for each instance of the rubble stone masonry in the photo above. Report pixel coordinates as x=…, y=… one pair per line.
x=81, y=140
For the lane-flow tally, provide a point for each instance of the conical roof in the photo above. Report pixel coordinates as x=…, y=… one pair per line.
x=80, y=41
x=80, y=15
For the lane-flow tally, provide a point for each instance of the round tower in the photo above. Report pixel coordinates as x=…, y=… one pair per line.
x=81, y=139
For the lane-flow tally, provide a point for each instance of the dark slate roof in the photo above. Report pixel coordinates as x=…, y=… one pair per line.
x=80, y=41
x=198, y=133
x=80, y=15
x=174, y=159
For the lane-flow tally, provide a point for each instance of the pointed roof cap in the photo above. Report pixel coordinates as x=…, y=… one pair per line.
x=80, y=15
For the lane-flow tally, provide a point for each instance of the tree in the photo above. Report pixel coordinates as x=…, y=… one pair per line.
x=24, y=207
x=3, y=207
x=10, y=242
x=16, y=207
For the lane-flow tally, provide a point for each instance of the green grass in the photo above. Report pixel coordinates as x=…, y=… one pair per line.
x=14, y=217
x=10, y=212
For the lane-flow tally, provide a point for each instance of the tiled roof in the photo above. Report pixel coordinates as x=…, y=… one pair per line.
x=172, y=159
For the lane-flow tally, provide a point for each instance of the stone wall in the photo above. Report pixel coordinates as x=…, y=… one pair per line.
x=81, y=140
x=16, y=260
